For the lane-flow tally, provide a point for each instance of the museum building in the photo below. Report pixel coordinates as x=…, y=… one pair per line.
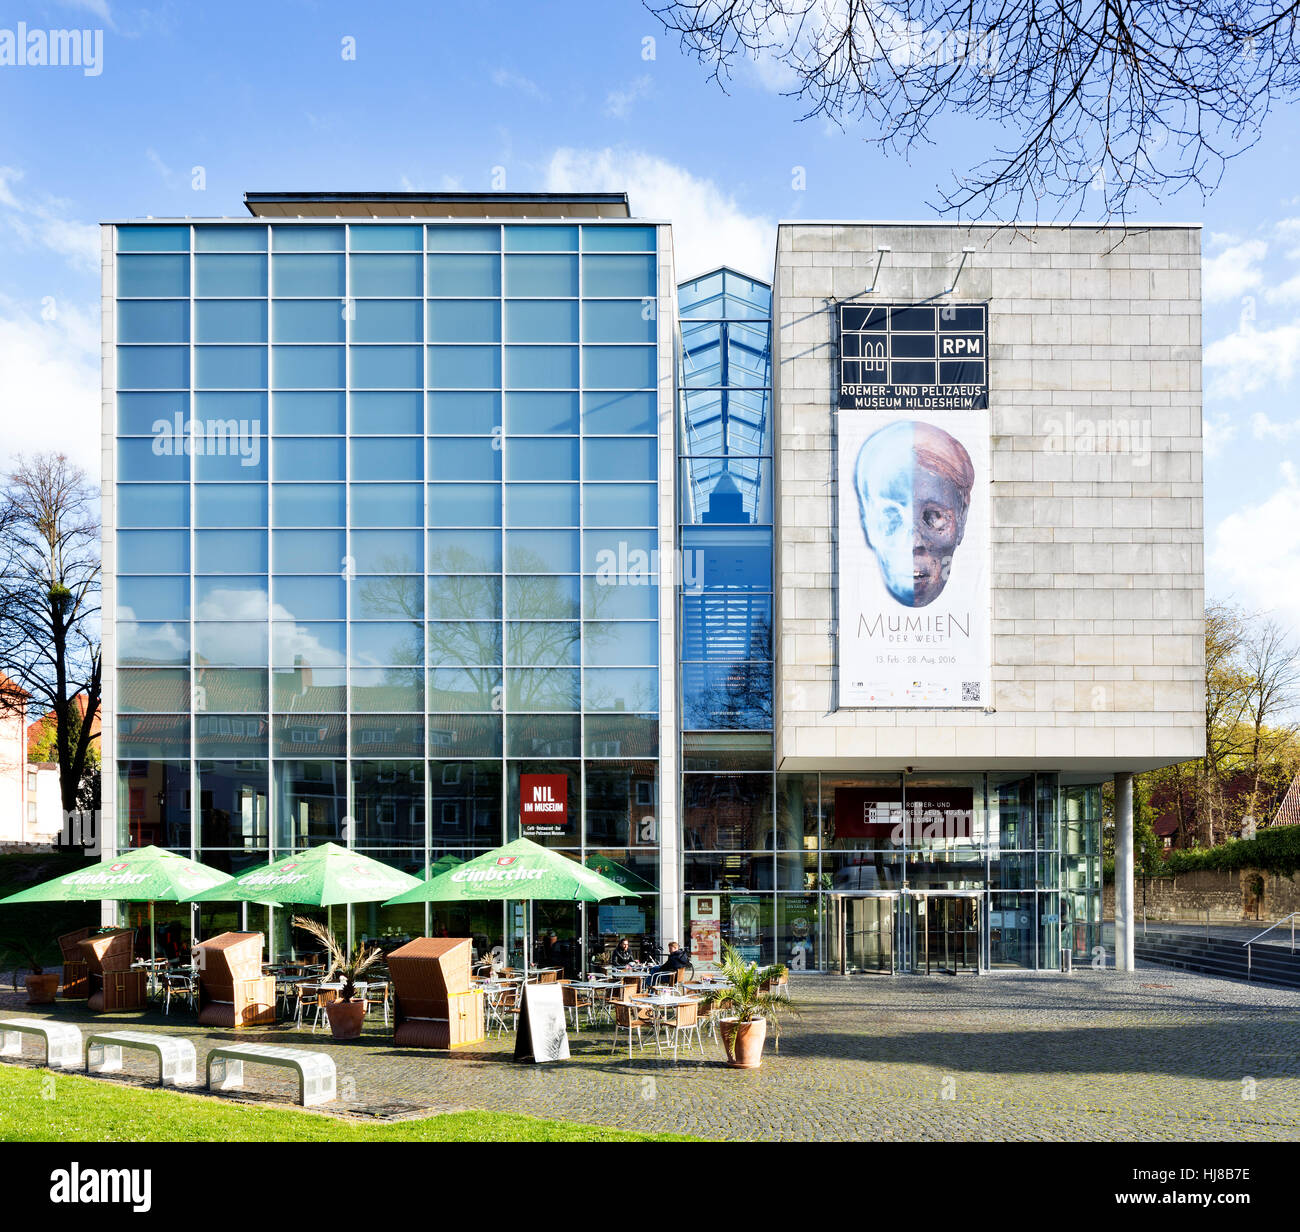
x=824, y=605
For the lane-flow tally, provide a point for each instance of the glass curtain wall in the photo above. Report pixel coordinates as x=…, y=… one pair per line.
x=379, y=486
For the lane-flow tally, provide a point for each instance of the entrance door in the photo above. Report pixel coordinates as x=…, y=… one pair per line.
x=939, y=933
x=869, y=933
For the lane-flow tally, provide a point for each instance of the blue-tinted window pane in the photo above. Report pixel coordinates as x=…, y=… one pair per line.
x=217, y=409
x=455, y=458
x=542, y=320
x=620, y=553
x=459, y=689
x=232, y=459
x=619, y=504
x=730, y=696
x=541, y=504
x=605, y=597
x=534, y=597
x=464, y=643
x=464, y=551
x=464, y=320
x=542, y=643
x=308, y=320
x=386, y=642
x=230, y=551
x=542, y=689
x=309, y=504
x=616, y=643
x=629, y=276
x=387, y=320
x=235, y=320
x=153, y=504
x=387, y=275
x=309, y=458
x=626, y=459
x=631, y=320
x=308, y=367
x=148, y=276
x=542, y=367
x=309, y=551
x=319, y=275
x=464, y=504
x=449, y=237
x=723, y=626
x=541, y=458
x=220, y=367
x=387, y=551
x=386, y=367
x=309, y=414
x=533, y=238
x=621, y=689
x=308, y=644
x=387, y=504
x=230, y=643
x=619, y=414
x=239, y=274
x=153, y=239
x=154, y=367
x=464, y=414
x=153, y=598
x=454, y=275
x=381, y=238
x=542, y=551
x=619, y=367
x=391, y=596
x=230, y=598
x=250, y=238
x=153, y=644
x=153, y=320
x=531, y=412
x=138, y=414
x=464, y=597
x=539, y=276
x=398, y=414
x=158, y=460
x=309, y=598
x=465, y=367
x=387, y=458
x=230, y=504
x=307, y=239
x=618, y=239
x=153, y=551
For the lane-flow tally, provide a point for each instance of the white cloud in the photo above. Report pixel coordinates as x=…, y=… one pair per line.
x=1216, y=431
x=1234, y=272
x=504, y=79
x=43, y=224
x=619, y=102
x=1257, y=550
x=1249, y=359
x=1263, y=428
x=710, y=228
x=51, y=381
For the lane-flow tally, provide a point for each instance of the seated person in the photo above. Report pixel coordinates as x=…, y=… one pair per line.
x=677, y=959
x=622, y=955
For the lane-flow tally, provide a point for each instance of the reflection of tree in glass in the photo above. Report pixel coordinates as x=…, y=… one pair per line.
x=738, y=695
x=394, y=596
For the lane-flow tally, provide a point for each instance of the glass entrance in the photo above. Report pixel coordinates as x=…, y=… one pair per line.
x=939, y=933
x=869, y=933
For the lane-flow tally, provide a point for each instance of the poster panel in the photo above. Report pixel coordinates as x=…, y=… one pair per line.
x=706, y=928
x=912, y=569
x=543, y=804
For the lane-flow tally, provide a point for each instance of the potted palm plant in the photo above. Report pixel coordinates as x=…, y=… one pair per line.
x=347, y=1014
x=41, y=985
x=747, y=1005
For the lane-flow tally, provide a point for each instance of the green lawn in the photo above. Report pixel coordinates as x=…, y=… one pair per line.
x=99, y=1110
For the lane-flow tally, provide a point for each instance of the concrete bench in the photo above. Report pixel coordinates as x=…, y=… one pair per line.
x=176, y=1061
x=317, y=1083
x=62, y=1040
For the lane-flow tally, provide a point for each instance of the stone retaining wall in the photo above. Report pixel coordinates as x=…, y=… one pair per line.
x=1228, y=896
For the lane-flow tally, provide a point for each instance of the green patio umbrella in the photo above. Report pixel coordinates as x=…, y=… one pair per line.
x=324, y=876
x=618, y=873
x=521, y=871
x=150, y=874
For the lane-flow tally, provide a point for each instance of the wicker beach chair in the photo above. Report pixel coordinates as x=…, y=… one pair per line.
x=113, y=985
x=435, y=1005
x=233, y=992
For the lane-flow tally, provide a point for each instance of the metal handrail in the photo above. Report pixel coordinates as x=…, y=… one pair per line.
x=1292, y=917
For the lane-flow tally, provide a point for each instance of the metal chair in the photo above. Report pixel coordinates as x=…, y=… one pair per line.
x=630, y=1016
x=179, y=986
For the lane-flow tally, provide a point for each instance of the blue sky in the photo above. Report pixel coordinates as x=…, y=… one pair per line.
x=197, y=104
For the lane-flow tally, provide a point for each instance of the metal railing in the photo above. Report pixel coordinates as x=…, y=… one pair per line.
x=1292, y=917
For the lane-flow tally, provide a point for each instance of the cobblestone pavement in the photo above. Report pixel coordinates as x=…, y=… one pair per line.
x=1154, y=1055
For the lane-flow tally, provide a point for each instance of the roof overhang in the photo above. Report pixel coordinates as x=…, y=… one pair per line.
x=436, y=205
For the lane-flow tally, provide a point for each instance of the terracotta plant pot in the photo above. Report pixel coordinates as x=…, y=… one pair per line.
x=41, y=988
x=748, y=1046
x=346, y=1018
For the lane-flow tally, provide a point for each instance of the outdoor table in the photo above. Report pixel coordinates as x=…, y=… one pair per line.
x=592, y=986
x=660, y=1004
x=710, y=986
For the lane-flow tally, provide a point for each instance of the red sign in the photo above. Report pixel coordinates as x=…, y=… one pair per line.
x=880, y=813
x=543, y=804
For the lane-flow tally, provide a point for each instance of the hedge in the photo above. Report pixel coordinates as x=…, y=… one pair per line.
x=1271, y=851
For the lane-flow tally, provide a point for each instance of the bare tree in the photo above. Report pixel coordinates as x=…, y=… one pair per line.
x=1272, y=667
x=49, y=602
x=1126, y=98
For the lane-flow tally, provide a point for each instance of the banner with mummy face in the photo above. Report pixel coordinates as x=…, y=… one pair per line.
x=913, y=470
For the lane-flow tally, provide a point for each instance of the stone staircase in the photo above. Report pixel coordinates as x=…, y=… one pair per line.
x=1271, y=962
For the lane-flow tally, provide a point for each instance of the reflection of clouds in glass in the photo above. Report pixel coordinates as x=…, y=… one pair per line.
x=151, y=643
x=232, y=603
x=300, y=644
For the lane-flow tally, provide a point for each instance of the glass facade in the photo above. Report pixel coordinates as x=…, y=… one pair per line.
x=387, y=507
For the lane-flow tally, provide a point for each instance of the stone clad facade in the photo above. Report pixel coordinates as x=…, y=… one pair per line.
x=1096, y=504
